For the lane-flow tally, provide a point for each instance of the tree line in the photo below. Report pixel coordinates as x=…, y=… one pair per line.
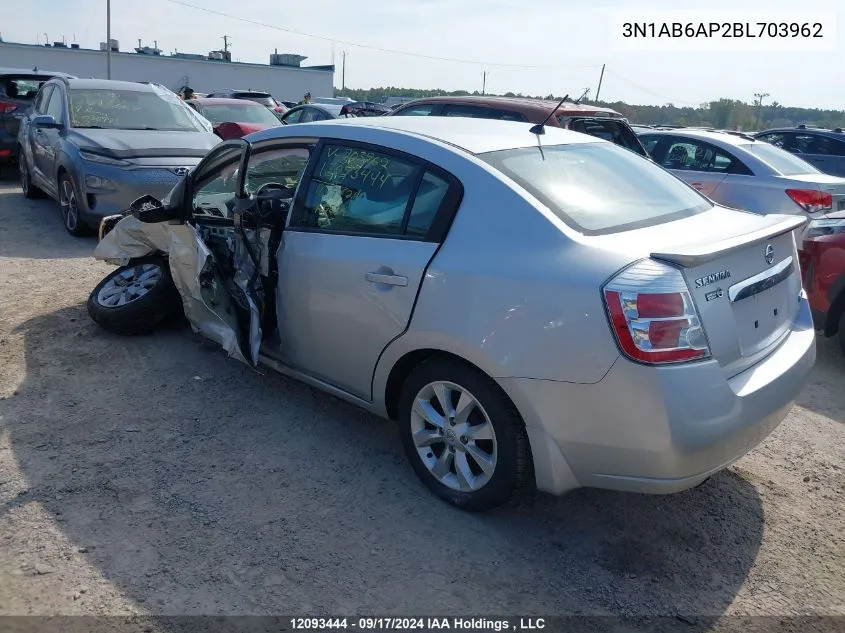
x=723, y=113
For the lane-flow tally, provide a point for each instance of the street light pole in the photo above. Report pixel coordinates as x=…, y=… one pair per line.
x=108, y=39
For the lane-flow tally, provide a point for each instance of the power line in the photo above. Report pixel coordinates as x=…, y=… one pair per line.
x=648, y=91
x=366, y=46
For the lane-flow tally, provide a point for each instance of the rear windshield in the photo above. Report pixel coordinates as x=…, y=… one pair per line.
x=783, y=162
x=259, y=97
x=599, y=188
x=247, y=113
x=21, y=87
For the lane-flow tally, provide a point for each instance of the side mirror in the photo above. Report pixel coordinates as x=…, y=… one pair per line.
x=45, y=121
x=150, y=210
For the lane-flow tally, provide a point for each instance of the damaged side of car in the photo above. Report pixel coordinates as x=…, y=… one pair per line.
x=209, y=244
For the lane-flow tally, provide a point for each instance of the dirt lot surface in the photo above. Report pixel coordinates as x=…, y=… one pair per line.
x=154, y=475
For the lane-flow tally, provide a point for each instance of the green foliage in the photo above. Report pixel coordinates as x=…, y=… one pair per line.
x=721, y=113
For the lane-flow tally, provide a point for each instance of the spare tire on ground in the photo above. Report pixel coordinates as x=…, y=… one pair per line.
x=135, y=298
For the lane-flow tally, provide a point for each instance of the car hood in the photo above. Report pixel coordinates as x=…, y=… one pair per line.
x=129, y=144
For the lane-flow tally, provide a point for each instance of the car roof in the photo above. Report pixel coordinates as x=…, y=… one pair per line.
x=806, y=130
x=545, y=105
x=106, y=84
x=476, y=136
x=240, y=103
x=33, y=71
x=705, y=135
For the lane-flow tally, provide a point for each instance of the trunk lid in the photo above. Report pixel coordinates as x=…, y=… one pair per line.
x=742, y=271
x=746, y=287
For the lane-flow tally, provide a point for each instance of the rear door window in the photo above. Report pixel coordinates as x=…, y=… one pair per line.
x=599, y=188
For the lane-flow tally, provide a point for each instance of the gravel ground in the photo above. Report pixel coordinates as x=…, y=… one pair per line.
x=155, y=476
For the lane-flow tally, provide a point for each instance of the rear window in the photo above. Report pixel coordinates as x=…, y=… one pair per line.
x=22, y=87
x=783, y=162
x=599, y=188
x=259, y=97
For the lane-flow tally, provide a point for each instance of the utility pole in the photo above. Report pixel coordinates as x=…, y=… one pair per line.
x=108, y=39
x=343, y=73
x=759, y=103
x=484, y=84
x=598, y=90
x=226, y=43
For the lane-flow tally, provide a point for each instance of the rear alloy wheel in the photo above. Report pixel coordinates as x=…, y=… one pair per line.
x=134, y=299
x=463, y=436
x=29, y=190
x=69, y=201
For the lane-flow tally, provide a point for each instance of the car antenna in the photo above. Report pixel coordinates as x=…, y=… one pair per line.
x=540, y=127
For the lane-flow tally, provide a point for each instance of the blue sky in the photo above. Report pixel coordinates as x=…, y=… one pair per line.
x=564, y=42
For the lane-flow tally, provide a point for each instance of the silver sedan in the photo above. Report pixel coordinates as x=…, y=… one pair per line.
x=549, y=310
x=738, y=171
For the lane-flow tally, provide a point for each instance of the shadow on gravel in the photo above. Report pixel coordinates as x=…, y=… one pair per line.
x=39, y=224
x=827, y=378
x=200, y=487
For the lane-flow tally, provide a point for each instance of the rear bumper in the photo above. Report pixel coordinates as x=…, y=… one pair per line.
x=659, y=430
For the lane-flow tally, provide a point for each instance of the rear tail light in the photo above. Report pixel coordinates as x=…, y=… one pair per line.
x=7, y=107
x=811, y=200
x=653, y=316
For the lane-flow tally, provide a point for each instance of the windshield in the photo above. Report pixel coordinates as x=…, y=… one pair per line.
x=129, y=110
x=599, y=188
x=780, y=160
x=239, y=114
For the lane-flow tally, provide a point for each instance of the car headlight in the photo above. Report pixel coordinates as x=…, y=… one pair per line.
x=825, y=226
x=103, y=160
x=98, y=182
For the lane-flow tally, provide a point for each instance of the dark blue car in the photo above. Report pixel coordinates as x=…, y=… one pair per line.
x=824, y=149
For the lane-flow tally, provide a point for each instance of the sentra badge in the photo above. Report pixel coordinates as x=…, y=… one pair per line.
x=712, y=279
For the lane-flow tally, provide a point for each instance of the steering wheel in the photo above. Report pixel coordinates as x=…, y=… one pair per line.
x=269, y=186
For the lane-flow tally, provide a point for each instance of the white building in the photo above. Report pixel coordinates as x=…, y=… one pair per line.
x=284, y=78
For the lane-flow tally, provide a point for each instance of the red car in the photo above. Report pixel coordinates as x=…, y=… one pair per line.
x=234, y=118
x=823, y=266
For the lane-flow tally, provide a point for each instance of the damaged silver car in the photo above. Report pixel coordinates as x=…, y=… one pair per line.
x=535, y=307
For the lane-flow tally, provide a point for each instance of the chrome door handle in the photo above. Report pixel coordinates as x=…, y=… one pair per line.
x=390, y=280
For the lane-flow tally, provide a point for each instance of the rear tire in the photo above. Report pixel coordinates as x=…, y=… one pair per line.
x=136, y=298
x=477, y=461
x=842, y=333
x=29, y=190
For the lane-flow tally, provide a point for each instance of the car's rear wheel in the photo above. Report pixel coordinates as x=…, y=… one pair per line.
x=463, y=436
x=69, y=201
x=842, y=332
x=136, y=298
x=29, y=190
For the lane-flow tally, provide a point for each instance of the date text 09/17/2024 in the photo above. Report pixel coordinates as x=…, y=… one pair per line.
x=418, y=624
